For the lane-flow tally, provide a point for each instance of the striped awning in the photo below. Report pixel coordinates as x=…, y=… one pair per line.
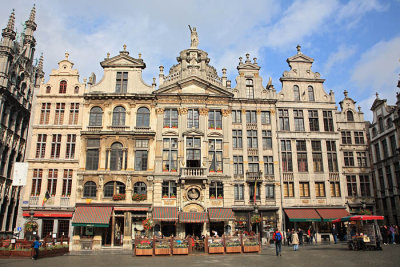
x=131, y=208
x=332, y=214
x=303, y=215
x=193, y=217
x=92, y=216
x=218, y=214
x=165, y=214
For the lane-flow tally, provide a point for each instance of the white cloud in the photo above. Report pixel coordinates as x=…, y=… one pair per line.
x=352, y=12
x=343, y=53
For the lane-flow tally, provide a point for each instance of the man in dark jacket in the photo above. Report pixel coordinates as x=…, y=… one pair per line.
x=300, y=236
x=334, y=233
x=289, y=237
x=277, y=237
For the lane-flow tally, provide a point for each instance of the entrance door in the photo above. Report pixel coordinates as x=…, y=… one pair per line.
x=118, y=231
x=193, y=229
x=106, y=236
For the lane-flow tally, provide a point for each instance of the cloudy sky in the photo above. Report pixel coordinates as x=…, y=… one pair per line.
x=355, y=43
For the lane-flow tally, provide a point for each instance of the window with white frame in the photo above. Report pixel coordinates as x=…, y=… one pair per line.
x=59, y=114
x=268, y=165
x=215, y=119
x=73, y=113
x=286, y=152
x=70, y=148
x=283, y=119
x=170, y=118
x=36, y=182
x=237, y=139
x=193, y=118
x=193, y=152
x=252, y=140
x=267, y=139
x=170, y=155
x=52, y=182
x=215, y=155
x=236, y=116
x=269, y=191
x=317, y=156
x=41, y=146
x=67, y=183
x=169, y=189
x=238, y=165
x=251, y=116
x=265, y=117
x=298, y=120
x=239, y=191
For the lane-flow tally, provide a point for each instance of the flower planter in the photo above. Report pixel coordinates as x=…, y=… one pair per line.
x=21, y=253
x=5, y=253
x=236, y=249
x=144, y=252
x=251, y=248
x=162, y=251
x=216, y=250
x=180, y=251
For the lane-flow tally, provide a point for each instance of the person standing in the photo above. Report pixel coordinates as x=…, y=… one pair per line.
x=277, y=237
x=392, y=234
x=300, y=236
x=36, y=246
x=295, y=241
x=310, y=236
x=334, y=233
x=289, y=237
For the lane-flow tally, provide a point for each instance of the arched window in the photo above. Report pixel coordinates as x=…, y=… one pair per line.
x=296, y=92
x=249, y=88
x=76, y=90
x=311, y=93
x=140, y=188
x=109, y=189
x=89, y=189
x=143, y=117
x=118, y=116
x=120, y=188
x=96, y=116
x=116, y=157
x=389, y=123
x=48, y=89
x=350, y=116
x=374, y=132
x=63, y=87
x=381, y=127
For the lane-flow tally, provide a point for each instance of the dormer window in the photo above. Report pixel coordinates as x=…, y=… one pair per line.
x=311, y=93
x=249, y=88
x=122, y=82
x=296, y=93
x=63, y=87
x=350, y=116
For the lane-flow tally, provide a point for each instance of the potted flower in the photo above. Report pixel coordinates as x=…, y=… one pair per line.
x=219, y=128
x=255, y=219
x=118, y=197
x=165, y=196
x=220, y=196
x=173, y=170
x=212, y=170
x=139, y=197
x=144, y=248
x=211, y=126
x=173, y=196
x=180, y=247
x=162, y=247
x=212, y=196
x=219, y=171
x=216, y=247
x=166, y=126
x=174, y=126
x=233, y=246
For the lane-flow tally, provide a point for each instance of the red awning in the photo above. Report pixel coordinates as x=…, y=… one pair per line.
x=303, y=215
x=51, y=214
x=332, y=214
x=359, y=218
x=165, y=214
x=131, y=208
x=217, y=214
x=193, y=217
x=92, y=216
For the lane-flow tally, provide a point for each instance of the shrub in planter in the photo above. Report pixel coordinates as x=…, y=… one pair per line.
x=117, y=197
x=139, y=197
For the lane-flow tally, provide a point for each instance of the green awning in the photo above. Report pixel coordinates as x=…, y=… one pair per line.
x=92, y=216
x=90, y=224
x=303, y=215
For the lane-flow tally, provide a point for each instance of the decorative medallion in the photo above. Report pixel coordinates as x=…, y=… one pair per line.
x=193, y=193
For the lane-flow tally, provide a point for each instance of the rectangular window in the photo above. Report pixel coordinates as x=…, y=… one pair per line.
x=215, y=155
x=348, y=158
x=216, y=189
x=169, y=189
x=265, y=117
x=317, y=156
x=286, y=147
x=359, y=138
x=362, y=159
x=36, y=182
x=268, y=165
x=142, y=143
x=52, y=182
x=332, y=156
x=170, y=155
x=67, y=183
x=304, y=189
x=141, y=160
x=238, y=165
x=47, y=227
x=239, y=192
x=236, y=116
x=237, y=139
x=70, y=149
x=346, y=137
x=251, y=116
x=170, y=118
x=92, y=154
x=302, y=163
x=252, y=140
x=298, y=120
x=193, y=118
x=269, y=191
x=328, y=121
x=320, y=189
x=121, y=85
x=393, y=145
x=288, y=189
x=249, y=88
x=351, y=185
x=381, y=181
x=253, y=164
x=313, y=120
x=63, y=227
x=388, y=171
x=215, y=119
x=59, y=116
x=397, y=173
x=193, y=152
x=283, y=119
x=41, y=146
x=73, y=113
x=45, y=113
x=365, y=185
x=385, y=149
x=55, y=146
x=335, y=189
x=267, y=139
x=257, y=190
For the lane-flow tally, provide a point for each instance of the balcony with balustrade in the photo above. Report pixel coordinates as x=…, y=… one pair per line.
x=193, y=173
x=254, y=176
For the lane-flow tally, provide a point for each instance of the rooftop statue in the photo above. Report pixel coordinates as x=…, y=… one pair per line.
x=194, y=38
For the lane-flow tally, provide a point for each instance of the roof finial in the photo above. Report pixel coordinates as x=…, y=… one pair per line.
x=298, y=47
x=240, y=60
x=66, y=55
x=124, y=46
x=247, y=58
x=108, y=55
x=11, y=20
x=377, y=95
x=33, y=13
x=140, y=55
x=194, y=38
x=40, y=64
x=345, y=93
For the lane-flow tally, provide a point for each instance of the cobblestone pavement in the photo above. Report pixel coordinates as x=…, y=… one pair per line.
x=324, y=255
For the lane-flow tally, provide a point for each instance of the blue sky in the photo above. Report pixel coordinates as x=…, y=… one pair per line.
x=355, y=43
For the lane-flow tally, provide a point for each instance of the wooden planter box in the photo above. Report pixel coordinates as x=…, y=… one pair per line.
x=251, y=248
x=5, y=253
x=216, y=250
x=162, y=251
x=21, y=253
x=144, y=252
x=236, y=249
x=180, y=251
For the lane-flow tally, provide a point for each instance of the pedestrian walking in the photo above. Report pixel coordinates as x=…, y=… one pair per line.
x=36, y=246
x=392, y=234
x=300, y=233
x=288, y=237
x=334, y=233
x=310, y=235
x=277, y=237
x=295, y=240
x=385, y=234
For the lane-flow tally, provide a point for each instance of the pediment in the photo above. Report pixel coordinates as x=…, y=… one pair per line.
x=215, y=134
x=377, y=103
x=193, y=132
x=170, y=133
x=248, y=66
x=123, y=61
x=300, y=58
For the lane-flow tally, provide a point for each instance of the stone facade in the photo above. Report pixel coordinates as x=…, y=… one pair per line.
x=19, y=76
